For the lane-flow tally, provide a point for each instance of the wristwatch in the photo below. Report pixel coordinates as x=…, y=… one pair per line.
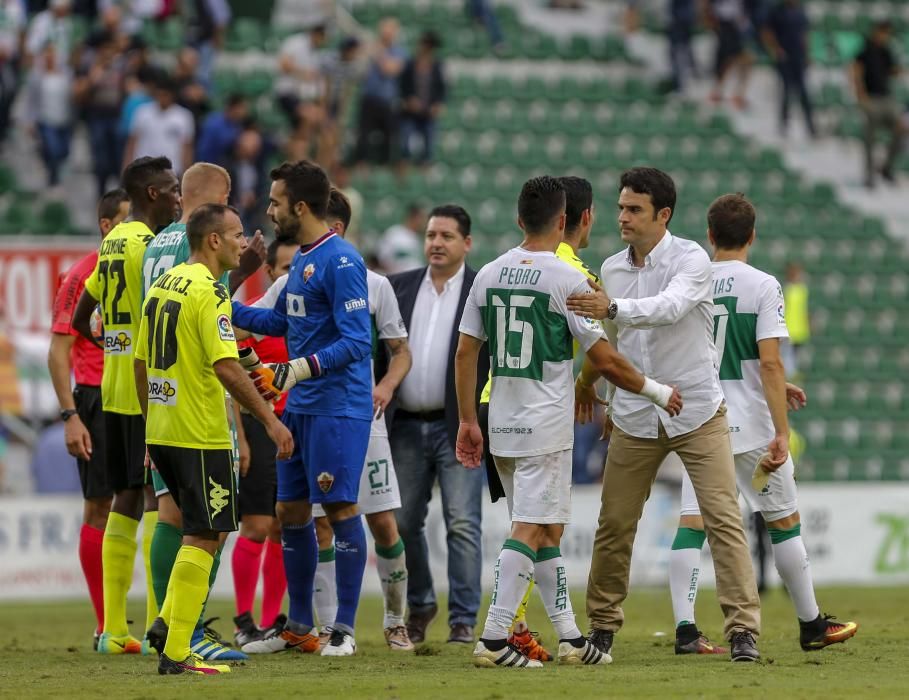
x=612, y=310
x=67, y=413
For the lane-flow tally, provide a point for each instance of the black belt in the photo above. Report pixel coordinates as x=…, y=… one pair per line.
x=426, y=416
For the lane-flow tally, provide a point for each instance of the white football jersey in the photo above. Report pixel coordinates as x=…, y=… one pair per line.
x=517, y=302
x=748, y=307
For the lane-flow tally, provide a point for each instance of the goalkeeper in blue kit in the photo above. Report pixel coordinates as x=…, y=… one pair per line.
x=324, y=314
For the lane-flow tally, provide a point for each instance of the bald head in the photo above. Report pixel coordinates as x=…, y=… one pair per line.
x=204, y=183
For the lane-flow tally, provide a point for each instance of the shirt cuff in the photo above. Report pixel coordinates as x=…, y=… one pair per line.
x=623, y=311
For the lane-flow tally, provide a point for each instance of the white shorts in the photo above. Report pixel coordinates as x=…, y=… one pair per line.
x=538, y=488
x=378, y=482
x=778, y=500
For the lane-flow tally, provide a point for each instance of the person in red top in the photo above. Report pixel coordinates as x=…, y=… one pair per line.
x=81, y=407
x=259, y=528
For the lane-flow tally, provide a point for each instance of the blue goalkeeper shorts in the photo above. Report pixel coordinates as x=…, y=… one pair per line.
x=329, y=453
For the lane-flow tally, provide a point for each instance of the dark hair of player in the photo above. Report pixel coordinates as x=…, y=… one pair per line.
x=731, y=221
x=578, y=198
x=109, y=204
x=654, y=182
x=306, y=182
x=541, y=202
x=271, y=253
x=339, y=207
x=456, y=212
x=204, y=220
x=143, y=173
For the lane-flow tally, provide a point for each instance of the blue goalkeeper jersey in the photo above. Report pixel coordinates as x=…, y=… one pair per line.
x=324, y=313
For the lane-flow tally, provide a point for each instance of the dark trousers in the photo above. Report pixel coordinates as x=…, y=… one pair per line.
x=376, y=131
x=793, y=75
x=54, y=149
x=106, y=149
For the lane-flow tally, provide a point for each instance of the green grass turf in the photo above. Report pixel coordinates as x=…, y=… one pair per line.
x=46, y=652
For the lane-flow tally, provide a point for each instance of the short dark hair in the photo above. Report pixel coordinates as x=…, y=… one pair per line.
x=578, y=198
x=731, y=221
x=431, y=39
x=339, y=207
x=204, y=220
x=541, y=201
x=271, y=253
x=306, y=182
x=234, y=99
x=109, y=204
x=654, y=182
x=142, y=173
x=456, y=212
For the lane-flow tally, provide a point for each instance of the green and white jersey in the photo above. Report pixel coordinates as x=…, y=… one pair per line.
x=517, y=302
x=748, y=307
x=168, y=249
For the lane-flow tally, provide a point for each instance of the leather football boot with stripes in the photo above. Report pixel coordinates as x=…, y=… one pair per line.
x=506, y=657
x=578, y=652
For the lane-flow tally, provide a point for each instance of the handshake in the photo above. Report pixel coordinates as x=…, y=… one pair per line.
x=275, y=378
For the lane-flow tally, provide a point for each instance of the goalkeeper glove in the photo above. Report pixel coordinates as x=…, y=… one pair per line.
x=272, y=380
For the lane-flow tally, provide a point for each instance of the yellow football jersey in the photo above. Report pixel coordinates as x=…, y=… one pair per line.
x=565, y=253
x=186, y=328
x=116, y=282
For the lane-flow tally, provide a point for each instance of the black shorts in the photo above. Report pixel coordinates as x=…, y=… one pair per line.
x=496, y=490
x=124, y=450
x=730, y=43
x=92, y=473
x=203, y=485
x=259, y=488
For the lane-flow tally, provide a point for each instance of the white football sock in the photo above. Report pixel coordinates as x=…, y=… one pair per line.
x=393, y=577
x=684, y=570
x=325, y=592
x=792, y=563
x=514, y=571
x=552, y=582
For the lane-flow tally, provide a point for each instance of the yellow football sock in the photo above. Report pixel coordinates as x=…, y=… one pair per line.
x=167, y=605
x=149, y=520
x=190, y=588
x=521, y=614
x=118, y=553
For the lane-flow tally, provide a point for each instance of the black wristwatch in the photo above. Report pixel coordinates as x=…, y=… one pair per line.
x=68, y=413
x=612, y=310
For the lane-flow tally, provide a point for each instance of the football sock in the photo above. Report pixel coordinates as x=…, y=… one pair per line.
x=149, y=521
x=350, y=563
x=274, y=582
x=514, y=571
x=90, y=542
x=216, y=562
x=189, y=590
x=301, y=553
x=552, y=582
x=520, y=617
x=244, y=564
x=325, y=594
x=118, y=553
x=684, y=571
x=393, y=577
x=794, y=568
x=165, y=545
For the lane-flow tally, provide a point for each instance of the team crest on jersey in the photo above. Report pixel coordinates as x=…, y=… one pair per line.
x=117, y=342
x=225, y=328
x=308, y=272
x=162, y=391
x=325, y=481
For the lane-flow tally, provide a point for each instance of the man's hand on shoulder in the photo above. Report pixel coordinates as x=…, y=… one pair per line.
x=593, y=304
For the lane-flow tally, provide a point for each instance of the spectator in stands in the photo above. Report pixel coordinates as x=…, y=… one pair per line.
x=482, y=12
x=100, y=90
x=300, y=85
x=53, y=468
x=12, y=27
x=378, y=123
x=872, y=70
x=50, y=93
x=192, y=93
x=422, y=99
x=220, y=131
x=340, y=178
x=247, y=166
x=798, y=319
x=729, y=20
x=785, y=35
x=343, y=72
x=162, y=128
x=138, y=88
x=680, y=30
x=401, y=246
x=54, y=26
x=206, y=30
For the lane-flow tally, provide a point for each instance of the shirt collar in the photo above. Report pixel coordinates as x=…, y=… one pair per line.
x=654, y=256
x=564, y=249
x=456, y=277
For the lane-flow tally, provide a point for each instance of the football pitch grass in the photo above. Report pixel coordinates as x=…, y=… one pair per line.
x=45, y=652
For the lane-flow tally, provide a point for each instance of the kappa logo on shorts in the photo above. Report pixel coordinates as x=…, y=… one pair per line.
x=117, y=342
x=217, y=497
x=225, y=328
x=162, y=391
x=325, y=481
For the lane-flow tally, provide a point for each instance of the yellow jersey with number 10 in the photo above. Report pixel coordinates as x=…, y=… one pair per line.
x=116, y=282
x=186, y=328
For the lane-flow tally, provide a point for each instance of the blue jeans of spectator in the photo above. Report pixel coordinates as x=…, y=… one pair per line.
x=54, y=149
x=205, y=71
x=792, y=73
x=682, y=19
x=426, y=129
x=107, y=153
x=482, y=11
x=422, y=452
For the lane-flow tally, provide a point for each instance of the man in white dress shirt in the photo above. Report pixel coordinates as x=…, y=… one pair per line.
x=658, y=301
x=424, y=426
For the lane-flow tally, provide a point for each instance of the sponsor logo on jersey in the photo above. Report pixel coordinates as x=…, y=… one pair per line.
x=325, y=481
x=117, y=342
x=355, y=304
x=308, y=272
x=217, y=497
x=592, y=323
x=221, y=293
x=225, y=329
x=344, y=262
x=162, y=391
x=296, y=305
